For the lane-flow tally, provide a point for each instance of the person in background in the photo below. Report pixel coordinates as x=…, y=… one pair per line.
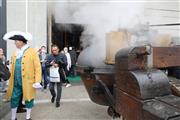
x=73, y=56
x=4, y=72
x=67, y=68
x=57, y=60
x=62, y=71
x=2, y=59
x=25, y=73
x=42, y=56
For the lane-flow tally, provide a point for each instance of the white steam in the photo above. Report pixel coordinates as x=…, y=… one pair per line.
x=98, y=18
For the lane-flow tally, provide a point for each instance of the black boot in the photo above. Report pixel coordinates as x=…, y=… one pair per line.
x=29, y=119
x=21, y=110
x=52, y=99
x=57, y=104
x=21, y=107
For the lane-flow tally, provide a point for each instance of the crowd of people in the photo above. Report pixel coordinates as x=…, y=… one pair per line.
x=69, y=57
x=31, y=70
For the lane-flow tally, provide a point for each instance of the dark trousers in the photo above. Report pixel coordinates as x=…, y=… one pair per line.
x=20, y=102
x=72, y=71
x=59, y=90
x=45, y=76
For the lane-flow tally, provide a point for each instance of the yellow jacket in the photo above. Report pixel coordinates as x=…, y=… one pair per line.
x=31, y=73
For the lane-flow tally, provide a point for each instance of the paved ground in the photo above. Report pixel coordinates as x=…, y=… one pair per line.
x=75, y=105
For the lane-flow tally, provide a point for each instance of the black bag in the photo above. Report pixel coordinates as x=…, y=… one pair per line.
x=4, y=72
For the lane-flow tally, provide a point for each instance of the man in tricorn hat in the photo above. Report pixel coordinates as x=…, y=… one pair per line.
x=25, y=73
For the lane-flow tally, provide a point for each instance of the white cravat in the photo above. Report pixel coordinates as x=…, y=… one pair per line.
x=19, y=52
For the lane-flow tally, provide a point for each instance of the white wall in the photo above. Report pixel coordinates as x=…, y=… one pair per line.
x=36, y=22
x=157, y=13
x=15, y=21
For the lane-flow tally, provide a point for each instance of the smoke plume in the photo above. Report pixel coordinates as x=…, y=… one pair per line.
x=98, y=18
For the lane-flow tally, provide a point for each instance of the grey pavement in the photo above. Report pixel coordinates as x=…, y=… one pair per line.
x=75, y=105
x=4, y=107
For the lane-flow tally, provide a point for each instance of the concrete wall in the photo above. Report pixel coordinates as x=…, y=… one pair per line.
x=36, y=21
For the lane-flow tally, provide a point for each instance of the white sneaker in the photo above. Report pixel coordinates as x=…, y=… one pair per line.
x=64, y=84
x=68, y=85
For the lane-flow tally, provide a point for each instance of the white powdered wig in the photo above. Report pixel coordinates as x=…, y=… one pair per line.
x=26, y=35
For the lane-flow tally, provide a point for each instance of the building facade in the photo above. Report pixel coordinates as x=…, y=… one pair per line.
x=30, y=16
x=33, y=16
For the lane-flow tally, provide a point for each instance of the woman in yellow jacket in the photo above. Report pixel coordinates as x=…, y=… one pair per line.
x=25, y=73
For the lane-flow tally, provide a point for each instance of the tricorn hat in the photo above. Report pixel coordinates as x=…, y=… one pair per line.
x=18, y=35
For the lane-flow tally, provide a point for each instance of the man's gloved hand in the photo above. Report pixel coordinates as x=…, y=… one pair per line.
x=37, y=85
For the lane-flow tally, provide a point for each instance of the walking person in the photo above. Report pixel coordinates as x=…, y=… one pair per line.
x=56, y=60
x=4, y=72
x=73, y=56
x=42, y=56
x=21, y=106
x=3, y=65
x=67, y=67
x=25, y=73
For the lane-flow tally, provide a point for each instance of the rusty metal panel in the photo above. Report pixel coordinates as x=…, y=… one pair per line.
x=128, y=106
x=143, y=84
x=172, y=100
x=159, y=111
x=166, y=57
x=90, y=81
x=152, y=83
x=126, y=82
x=132, y=58
x=139, y=58
x=175, y=86
x=90, y=76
